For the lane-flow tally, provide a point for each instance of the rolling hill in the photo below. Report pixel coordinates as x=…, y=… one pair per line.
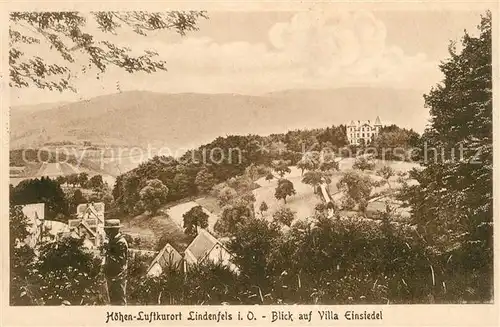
x=180, y=121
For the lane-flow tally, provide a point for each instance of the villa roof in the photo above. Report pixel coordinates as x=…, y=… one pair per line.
x=359, y=123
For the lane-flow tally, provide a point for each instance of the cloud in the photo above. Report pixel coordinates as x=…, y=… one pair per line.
x=311, y=50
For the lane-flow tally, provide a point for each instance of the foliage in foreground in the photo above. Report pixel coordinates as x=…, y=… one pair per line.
x=68, y=35
x=323, y=261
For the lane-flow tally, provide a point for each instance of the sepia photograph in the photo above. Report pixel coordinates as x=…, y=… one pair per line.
x=325, y=156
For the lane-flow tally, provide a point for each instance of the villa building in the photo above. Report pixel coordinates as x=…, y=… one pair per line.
x=363, y=132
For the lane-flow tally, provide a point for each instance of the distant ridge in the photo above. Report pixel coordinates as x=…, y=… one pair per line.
x=188, y=119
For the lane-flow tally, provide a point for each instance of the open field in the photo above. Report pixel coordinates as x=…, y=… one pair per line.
x=168, y=222
x=398, y=166
x=176, y=214
x=53, y=170
x=303, y=202
x=210, y=203
x=151, y=229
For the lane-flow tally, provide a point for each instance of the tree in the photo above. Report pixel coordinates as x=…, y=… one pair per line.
x=21, y=258
x=204, y=180
x=386, y=172
x=193, y=219
x=248, y=197
x=126, y=192
x=281, y=167
x=306, y=163
x=320, y=207
x=315, y=178
x=284, y=216
x=226, y=195
x=82, y=179
x=64, y=34
x=67, y=272
x=233, y=216
x=263, y=208
x=61, y=179
x=76, y=199
x=251, y=246
x=95, y=182
x=362, y=163
x=329, y=165
x=327, y=161
x=253, y=172
x=183, y=185
x=164, y=240
x=269, y=176
x=102, y=194
x=72, y=179
x=454, y=196
x=284, y=189
x=43, y=190
x=153, y=195
x=357, y=189
x=393, y=142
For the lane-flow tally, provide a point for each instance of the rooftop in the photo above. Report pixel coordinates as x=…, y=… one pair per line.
x=364, y=122
x=168, y=255
x=202, y=244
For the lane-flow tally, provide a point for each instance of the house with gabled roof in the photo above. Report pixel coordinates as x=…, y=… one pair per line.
x=168, y=256
x=205, y=247
x=86, y=229
x=91, y=210
x=89, y=223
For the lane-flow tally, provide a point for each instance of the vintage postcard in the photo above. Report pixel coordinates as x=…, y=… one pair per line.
x=319, y=163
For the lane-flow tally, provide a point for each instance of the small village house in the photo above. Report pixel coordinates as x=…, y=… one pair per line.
x=89, y=224
x=168, y=256
x=205, y=247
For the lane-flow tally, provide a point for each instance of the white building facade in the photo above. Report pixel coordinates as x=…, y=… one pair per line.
x=363, y=132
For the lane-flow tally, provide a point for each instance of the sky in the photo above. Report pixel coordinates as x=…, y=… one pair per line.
x=260, y=52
